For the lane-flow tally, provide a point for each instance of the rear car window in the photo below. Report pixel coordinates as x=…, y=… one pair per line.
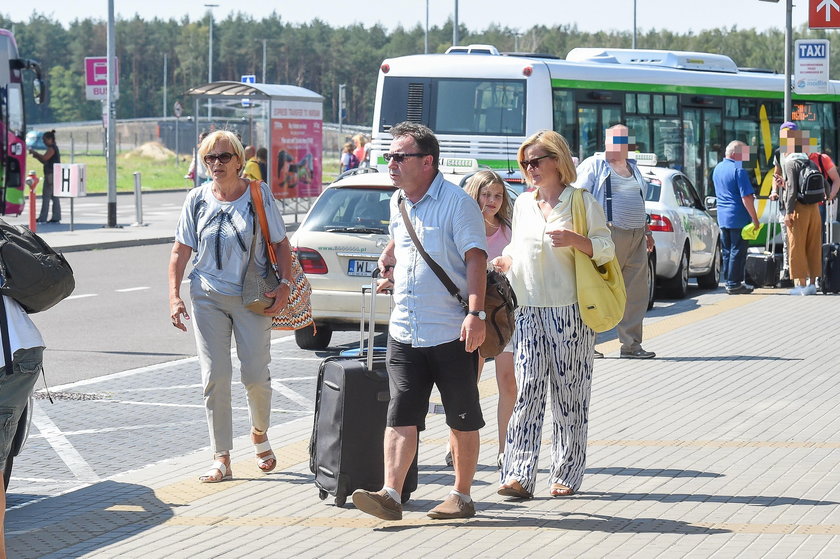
x=653, y=190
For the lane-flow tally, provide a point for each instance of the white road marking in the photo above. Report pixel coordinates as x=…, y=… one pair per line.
x=82, y=296
x=287, y=392
x=63, y=448
x=126, y=290
x=154, y=388
x=144, y=370
x=124, y=428
x=200, y=406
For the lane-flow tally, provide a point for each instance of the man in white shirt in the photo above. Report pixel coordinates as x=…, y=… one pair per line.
x=430, y=340
x=616, y=182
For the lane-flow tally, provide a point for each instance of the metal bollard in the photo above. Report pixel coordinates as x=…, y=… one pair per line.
x=138, y=201
x=32, y=182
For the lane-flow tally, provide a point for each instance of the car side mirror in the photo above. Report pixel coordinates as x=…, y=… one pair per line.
x=711, y=202
x=38, y=90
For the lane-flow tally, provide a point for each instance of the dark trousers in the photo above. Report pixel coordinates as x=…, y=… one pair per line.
x=46, y=197
x=734, y=252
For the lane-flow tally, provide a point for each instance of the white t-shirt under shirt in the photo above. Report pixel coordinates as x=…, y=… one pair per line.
x=628, y=206
x=220, y=233
x=22, y=332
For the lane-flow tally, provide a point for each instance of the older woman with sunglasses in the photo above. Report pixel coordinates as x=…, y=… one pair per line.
x=217, y=224
x=552, y=345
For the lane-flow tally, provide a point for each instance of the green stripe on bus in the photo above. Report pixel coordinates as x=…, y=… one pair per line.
x=689, y=89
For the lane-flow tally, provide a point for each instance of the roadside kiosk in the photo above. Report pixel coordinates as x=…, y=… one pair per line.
x=293, y=131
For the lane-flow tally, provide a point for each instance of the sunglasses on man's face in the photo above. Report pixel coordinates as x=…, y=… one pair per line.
x=535, y=162
x=400, y=157
x=620, y=140
x=224, y=157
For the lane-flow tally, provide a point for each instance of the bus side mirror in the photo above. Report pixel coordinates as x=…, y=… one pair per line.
x=38, y=90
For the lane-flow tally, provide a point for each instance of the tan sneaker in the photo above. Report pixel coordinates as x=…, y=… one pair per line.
x=453, y=507
x=378, y=504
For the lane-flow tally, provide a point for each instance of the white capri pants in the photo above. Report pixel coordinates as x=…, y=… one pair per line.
x=215, y=318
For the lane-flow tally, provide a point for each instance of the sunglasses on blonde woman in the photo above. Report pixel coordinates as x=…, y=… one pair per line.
x=535, y=162
x=224, y=158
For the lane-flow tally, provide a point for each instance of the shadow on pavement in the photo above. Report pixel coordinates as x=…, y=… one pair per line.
x=651, y=472
x=97, y=516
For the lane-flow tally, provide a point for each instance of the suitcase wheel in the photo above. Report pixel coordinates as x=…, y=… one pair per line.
x=322, y=494
x=340, y=500
x=405, y=497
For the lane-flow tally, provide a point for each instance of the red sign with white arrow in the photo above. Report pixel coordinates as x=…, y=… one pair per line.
x=823, y=14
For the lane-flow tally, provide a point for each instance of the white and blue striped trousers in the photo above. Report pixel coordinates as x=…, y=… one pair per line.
x=551, y=345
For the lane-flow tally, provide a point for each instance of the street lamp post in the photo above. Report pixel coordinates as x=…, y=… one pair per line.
x=634, y=24
x=788, y=53
x=210, y=59
x=426, y=36
x=455, y=26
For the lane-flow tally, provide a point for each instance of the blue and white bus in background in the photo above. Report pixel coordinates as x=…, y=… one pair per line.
x=683, y=106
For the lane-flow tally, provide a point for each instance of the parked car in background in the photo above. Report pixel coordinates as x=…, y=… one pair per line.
x=687, y=237
x=339, y=242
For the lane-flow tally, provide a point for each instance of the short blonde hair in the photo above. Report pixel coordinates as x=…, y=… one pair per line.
x=360, y=139
x=483, y=179
x=214, y=138
x=557, y=148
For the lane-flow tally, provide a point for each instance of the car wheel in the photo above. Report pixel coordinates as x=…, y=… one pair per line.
x=711, y=280
x=651, y=279
x=677, y=287
x=307, y=339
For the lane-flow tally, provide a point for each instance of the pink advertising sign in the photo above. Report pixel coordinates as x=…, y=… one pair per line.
x=296, y=148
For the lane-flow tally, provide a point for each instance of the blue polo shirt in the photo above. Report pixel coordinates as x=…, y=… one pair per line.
x=731, y=184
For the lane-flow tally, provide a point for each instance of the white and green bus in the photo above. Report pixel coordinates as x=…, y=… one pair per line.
x=683, y=106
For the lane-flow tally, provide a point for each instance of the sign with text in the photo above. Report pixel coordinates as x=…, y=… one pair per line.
x=823, y=14
x=296, y=145
x=96, y=78
x=69, y=180
x=810, y=67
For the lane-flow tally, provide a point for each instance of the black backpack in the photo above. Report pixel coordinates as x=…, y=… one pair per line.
x=32, y=273
x=810, y=188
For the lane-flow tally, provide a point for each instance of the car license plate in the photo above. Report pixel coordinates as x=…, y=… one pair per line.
x=361, y=267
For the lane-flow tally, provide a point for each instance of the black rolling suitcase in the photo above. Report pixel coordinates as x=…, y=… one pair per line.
x=351, y=404
x=830, y=280
x=763, y=269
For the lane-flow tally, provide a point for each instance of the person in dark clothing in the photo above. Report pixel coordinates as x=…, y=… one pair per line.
x=48, y=158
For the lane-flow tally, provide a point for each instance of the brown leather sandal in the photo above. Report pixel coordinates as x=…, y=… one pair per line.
x=514, y=489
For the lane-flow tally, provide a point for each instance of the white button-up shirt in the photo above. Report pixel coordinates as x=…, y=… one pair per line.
x=448, y=223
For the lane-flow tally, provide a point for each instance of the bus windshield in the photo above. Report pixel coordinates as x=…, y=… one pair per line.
x=456, y=106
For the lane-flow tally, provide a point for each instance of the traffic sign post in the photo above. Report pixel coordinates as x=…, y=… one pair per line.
x=811, y=66
x=824, y=14
x=96, y=78
x=178, y=110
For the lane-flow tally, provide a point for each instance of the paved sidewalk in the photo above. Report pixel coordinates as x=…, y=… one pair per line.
x=726, y=445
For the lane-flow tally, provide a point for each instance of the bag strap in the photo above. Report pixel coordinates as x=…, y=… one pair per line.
x=444, y=279
x=259, y=210
x=7, y=344
x=579, y=213
x=608, y=198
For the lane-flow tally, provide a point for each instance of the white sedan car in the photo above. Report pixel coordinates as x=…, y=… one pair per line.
x=338, y=245
x=687, y=237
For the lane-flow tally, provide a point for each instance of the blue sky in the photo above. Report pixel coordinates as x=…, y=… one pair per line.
x=674, y=15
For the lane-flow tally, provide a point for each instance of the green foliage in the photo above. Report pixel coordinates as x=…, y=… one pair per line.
x=312, y=55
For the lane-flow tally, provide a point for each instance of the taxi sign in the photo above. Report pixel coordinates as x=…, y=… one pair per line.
x=458, y=165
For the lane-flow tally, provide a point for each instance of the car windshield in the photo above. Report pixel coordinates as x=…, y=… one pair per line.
x=351, y=210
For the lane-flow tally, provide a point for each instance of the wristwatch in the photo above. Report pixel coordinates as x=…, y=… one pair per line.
x=480, y=314
x=284, y=281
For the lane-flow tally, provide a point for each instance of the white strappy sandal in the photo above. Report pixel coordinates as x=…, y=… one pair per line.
x=210, y=476
x=264, y=461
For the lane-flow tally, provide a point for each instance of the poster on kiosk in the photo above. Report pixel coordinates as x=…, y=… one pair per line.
x=296, y=144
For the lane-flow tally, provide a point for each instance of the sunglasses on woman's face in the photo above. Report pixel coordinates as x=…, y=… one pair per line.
x=224, y=158
x=535, y=162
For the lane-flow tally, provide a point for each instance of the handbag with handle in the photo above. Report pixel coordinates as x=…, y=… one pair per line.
x=499, y=298
x=297, y=313
x=600, y=289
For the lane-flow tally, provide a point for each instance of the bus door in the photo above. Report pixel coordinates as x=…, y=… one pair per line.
x=592, y=120
x=703, y=146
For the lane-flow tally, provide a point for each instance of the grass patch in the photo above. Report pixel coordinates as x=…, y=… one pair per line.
x=154, y=174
